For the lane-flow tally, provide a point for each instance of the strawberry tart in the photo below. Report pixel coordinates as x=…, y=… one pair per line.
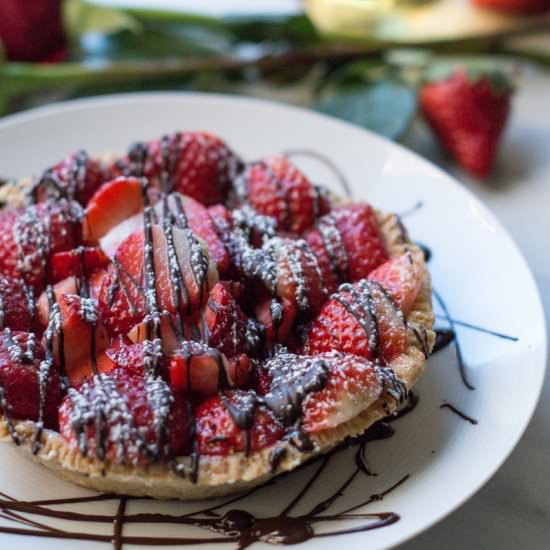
x=179, y=323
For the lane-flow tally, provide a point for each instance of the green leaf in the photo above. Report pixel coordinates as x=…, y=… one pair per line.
x=386, y=108
x=82, y=18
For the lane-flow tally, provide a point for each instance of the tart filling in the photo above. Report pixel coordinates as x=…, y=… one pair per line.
x=179, y=323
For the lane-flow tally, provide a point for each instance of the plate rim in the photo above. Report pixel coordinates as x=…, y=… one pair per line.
x=79, y=104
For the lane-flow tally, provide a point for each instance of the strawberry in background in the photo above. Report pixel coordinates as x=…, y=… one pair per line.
x=32, y=30
x=468, y=111
x=517, y=6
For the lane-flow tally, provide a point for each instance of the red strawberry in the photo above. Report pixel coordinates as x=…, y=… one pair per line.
x=519, y=6
x=197, y=164
x=217, y=432
x=77, y=178
x=122, y=298
x=360, y=319
x=20, y=359
x=78, y=317
x=16, y=305
x=275, y=187
x=203, y=370
x=347, y=244
x=30, y=236
x=120, y=353
x=402, y=277
x=468, y=114
x=352, y=385
x=18, y=30
x=277, y=318
x=299, y=277
x=84, y=260
x=130, y=420
x=225, y=324
x=114, y=202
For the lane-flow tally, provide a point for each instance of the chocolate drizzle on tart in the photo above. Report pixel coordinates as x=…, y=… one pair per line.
x=231, y=524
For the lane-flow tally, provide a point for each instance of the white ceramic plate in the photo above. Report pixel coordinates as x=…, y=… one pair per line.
x=475, y=266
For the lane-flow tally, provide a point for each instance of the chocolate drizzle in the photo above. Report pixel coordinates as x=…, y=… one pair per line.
x=231, y=525
x=459, y=413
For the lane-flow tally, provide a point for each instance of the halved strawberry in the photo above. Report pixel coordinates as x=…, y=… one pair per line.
x=181, y=271
x=82, y=334
x=275, y=187
x=113, y=203
x=196, y=367
x=183, y=212
x=16, y=305
x=81, y=261
x=224, y=323
x=402, y=277
x=197, y=164
x=347, y=243
x=31, y=235
x=299, y=277
x=202, y=225
x=21, y=357
x=77, y=177
x=352, y=386
x=136, y=412
x=217, y=430
x=277, y=318
x=361, y=319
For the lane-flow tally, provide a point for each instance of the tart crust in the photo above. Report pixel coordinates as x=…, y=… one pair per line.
x=219, y=476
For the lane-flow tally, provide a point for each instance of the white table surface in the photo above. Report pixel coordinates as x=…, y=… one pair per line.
x=513, y=509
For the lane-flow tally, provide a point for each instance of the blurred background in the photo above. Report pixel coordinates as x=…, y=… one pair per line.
x=465, y=83
x=366, y=61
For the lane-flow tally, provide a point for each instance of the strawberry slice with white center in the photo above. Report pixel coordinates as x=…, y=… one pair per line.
x=402, y=277
x=113, y=202
x=353, y=384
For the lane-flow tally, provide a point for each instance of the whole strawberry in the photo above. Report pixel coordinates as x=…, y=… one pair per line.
x=518, y=6
x=32, y=30
x=468, y=113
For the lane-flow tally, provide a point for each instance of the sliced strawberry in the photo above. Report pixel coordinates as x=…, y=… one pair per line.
x=299, y=277
x=218, y=433
x=277, y=318
x=67, y=286
x=172, y=331
x=275, y=187
x=77, y=177
x=361, y=319
x=81, y=261
x=83, y=370
x=197, y=164
x=21, y=357
x=352, y=386
x=196, y=367
x=347, y=243
x=402, y=277
x=137, y=414
x=122, y=297
x=225, y=324
x=82, y=333
x=31, y=235
x=202, y=225
x=16, y=305
x=113, y=203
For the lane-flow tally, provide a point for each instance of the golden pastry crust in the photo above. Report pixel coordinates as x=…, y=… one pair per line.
x=219, y=476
